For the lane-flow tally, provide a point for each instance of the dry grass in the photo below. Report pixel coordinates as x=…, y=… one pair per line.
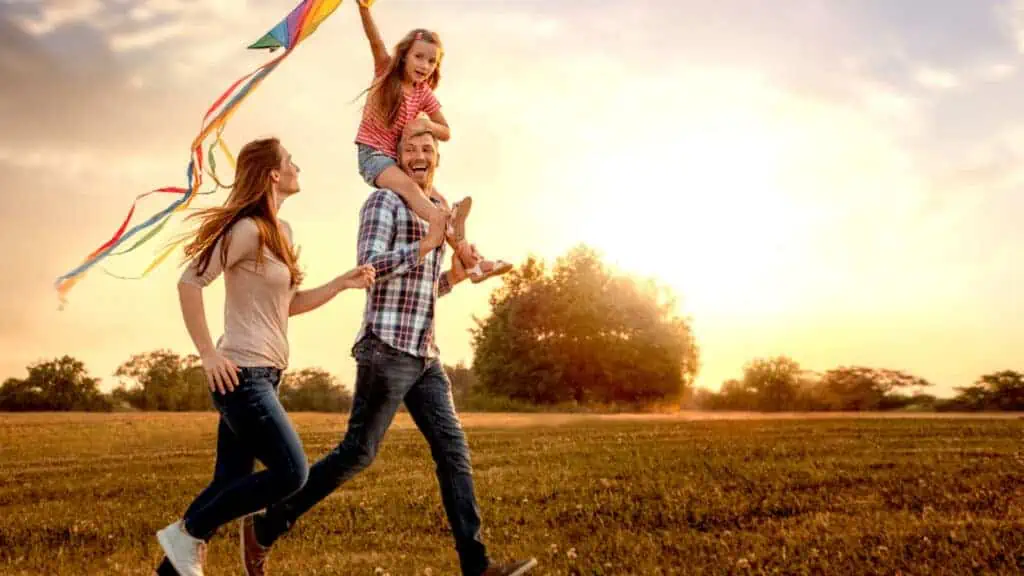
x=666, y=494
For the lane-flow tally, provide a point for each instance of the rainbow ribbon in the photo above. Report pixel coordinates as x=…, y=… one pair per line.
x=302, y=21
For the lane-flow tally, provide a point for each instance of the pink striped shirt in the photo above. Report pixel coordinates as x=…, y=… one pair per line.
x=374, y=131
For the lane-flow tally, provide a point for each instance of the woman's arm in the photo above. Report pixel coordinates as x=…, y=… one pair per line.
x=221, y=373
x=308, y=300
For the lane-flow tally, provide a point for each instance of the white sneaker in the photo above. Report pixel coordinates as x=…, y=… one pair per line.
x=186, y=553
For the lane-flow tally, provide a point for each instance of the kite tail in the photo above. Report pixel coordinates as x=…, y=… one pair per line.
x=302, y=21
x=194, y=175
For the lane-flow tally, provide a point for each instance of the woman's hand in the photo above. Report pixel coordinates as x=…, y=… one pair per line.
x=358, y=277
x=221, y=373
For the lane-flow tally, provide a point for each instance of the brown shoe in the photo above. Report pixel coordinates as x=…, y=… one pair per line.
x=513, y=569
x=254, y=556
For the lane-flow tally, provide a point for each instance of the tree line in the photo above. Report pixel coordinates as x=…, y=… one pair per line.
x=573, y=336
x=780, y=384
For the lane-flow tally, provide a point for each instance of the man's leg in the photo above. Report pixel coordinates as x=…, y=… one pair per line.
x=383, y=377
x=431, y=406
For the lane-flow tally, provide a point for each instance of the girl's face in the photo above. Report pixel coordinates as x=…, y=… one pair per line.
x=420, y=61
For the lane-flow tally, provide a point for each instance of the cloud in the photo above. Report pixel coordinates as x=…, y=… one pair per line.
x=1011, y=17
x=52, y=14
x=996, y=71
x=936, y=79
x=147, y=37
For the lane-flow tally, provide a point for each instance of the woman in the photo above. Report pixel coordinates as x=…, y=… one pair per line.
x=247, y=241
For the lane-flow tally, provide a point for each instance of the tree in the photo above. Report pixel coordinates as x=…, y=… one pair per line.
x=862, y=388
x=996, y=391
x=1006, y=389
x=774, y=382
x=581, y=333
x=463, y=381
x=162, y=380
x=314, y=390
x=61, y=384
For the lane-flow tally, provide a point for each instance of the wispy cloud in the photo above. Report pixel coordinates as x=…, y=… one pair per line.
x=52, y=14
x=147, y=37
x=935, y=78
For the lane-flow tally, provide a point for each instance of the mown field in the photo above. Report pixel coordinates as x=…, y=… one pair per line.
x=84, y=494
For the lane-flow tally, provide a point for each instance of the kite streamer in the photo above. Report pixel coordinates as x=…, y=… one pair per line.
x=302, y=21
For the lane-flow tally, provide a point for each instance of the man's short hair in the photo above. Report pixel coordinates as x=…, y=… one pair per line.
x=404, y=137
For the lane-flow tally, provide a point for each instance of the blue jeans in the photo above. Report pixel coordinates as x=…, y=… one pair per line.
x=253, y=425
x=372, y=162
x=385, y=377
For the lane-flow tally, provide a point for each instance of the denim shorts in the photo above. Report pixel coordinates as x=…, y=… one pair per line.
x=372, y=162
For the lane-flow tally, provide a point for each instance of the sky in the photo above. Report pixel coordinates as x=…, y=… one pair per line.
x=836, y=181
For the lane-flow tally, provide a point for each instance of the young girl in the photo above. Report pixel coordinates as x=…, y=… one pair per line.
x=401, y=99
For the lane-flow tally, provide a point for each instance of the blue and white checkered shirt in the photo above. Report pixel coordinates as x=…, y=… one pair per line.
x=400, y=304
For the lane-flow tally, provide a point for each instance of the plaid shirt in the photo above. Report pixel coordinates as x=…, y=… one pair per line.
x=400, y=304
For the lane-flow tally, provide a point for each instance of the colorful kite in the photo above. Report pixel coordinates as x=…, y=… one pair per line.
x=288, y=34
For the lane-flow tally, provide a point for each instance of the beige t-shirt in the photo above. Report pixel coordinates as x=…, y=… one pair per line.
x=256, y=298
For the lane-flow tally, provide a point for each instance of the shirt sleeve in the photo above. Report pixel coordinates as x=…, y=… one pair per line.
x=429, y=104
x=376, y=229
x=242, y=239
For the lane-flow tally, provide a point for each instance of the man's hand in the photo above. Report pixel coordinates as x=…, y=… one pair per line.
x=435, y=235
x=458, y=270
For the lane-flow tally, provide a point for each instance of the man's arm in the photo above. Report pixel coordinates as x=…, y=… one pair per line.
x=376, y=231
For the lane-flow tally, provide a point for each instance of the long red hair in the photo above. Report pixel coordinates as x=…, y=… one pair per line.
x=250, y=197
x=386, y=92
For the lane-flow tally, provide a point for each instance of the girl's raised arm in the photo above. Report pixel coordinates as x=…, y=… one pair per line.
x=381, y=59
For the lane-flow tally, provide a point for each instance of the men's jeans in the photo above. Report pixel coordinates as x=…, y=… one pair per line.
x=385, y=377
x=253, y=425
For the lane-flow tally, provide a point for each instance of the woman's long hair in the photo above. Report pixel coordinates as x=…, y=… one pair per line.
x=250, y=197
x=386, y=92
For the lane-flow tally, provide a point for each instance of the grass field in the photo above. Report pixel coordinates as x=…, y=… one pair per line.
x=84, y=494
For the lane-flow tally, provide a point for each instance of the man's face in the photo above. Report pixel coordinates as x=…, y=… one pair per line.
x=418, y=158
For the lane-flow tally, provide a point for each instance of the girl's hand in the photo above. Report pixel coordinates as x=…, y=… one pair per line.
x=221, y=373
x=359, y=277
x=421, y=123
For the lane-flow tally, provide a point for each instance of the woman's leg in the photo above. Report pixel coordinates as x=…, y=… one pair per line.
x=234, y=460
x=254, y=415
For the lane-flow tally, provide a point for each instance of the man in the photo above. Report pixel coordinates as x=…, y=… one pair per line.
x=397, y=361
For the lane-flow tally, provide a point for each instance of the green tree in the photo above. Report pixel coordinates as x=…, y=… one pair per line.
x=314, y=390
x=1002, y=390
x=774, y=382
x=859, y=388
x=163, y=380
x=463, y=382
x=581, y=333
x=61, y=384
x=1005, y=388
